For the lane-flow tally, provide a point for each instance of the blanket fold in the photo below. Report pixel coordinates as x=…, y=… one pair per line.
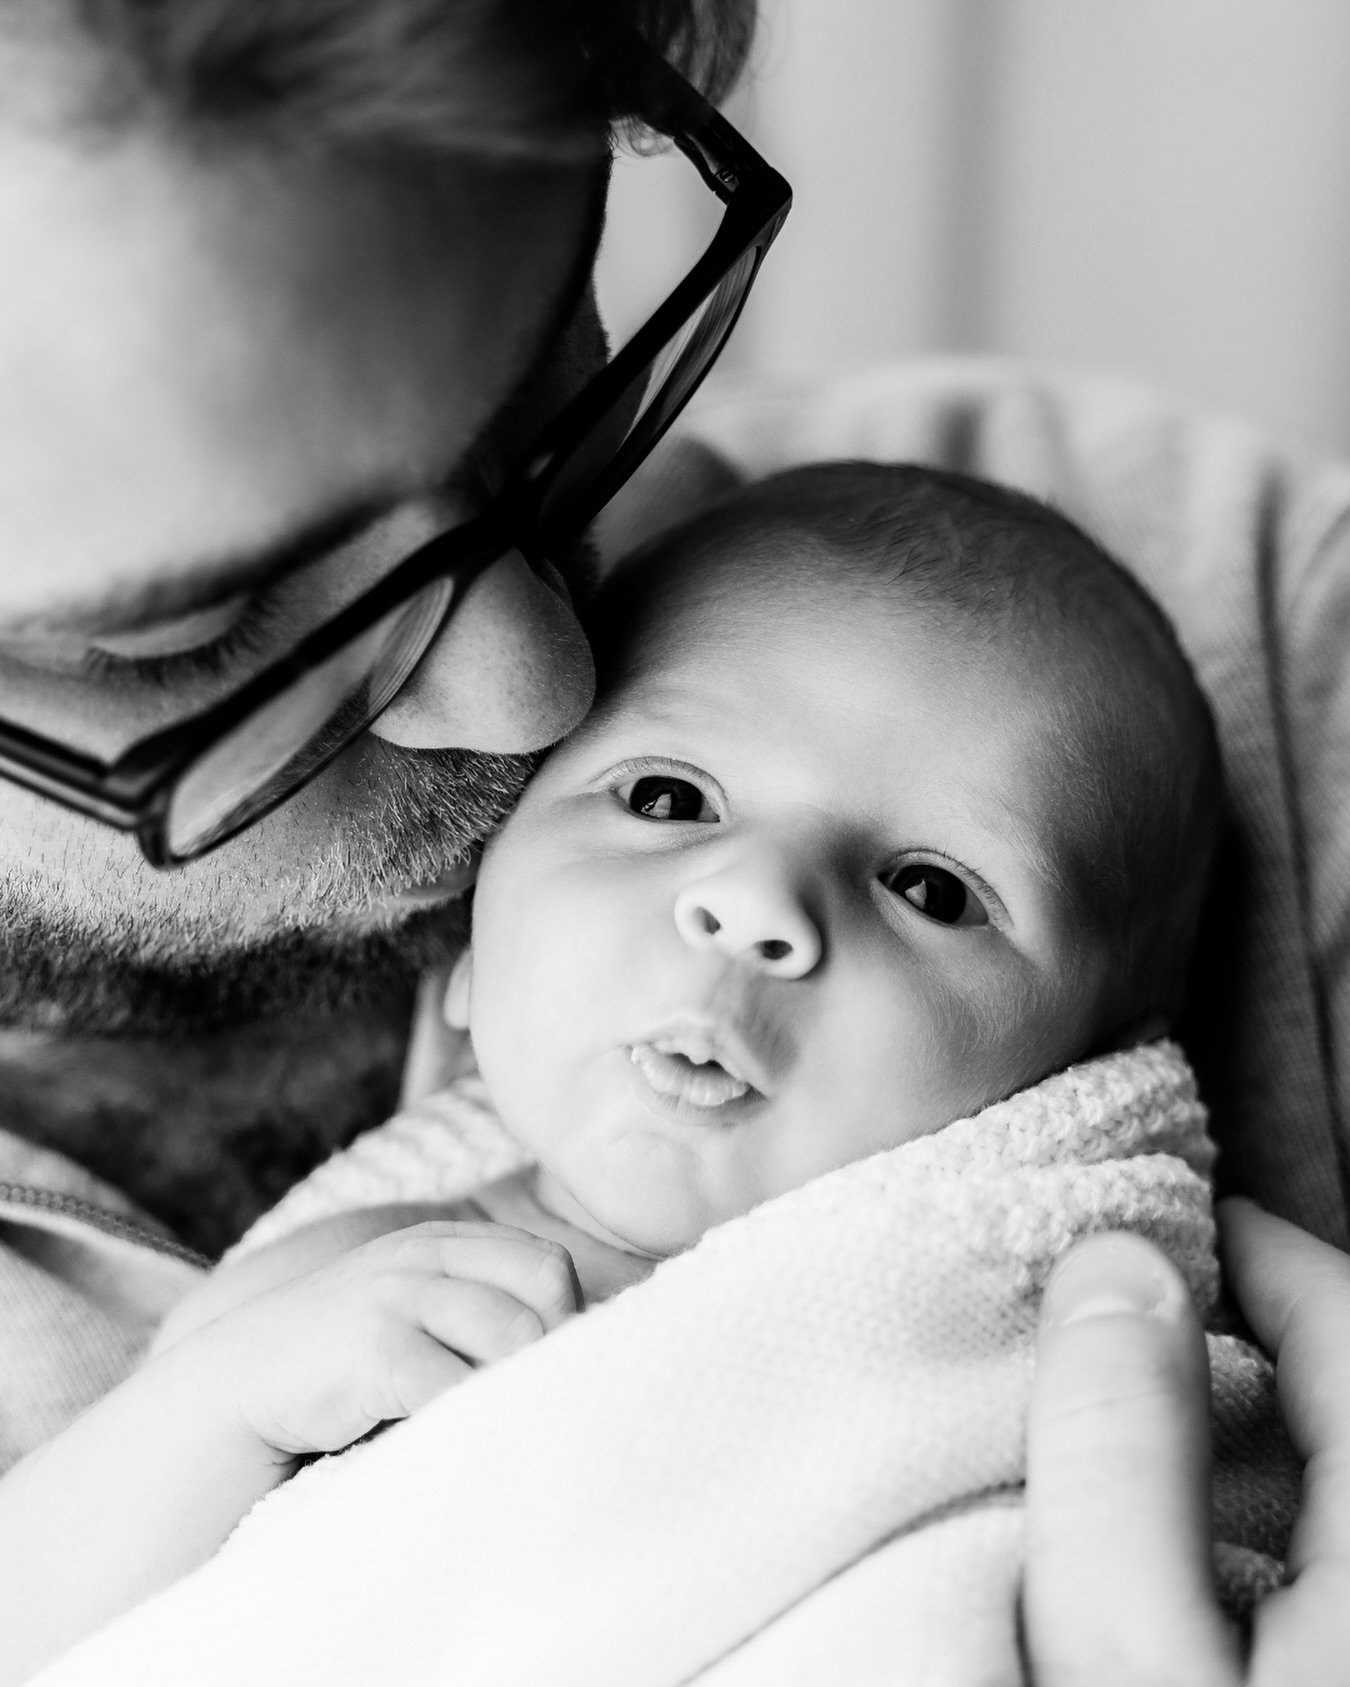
x=792, y=1455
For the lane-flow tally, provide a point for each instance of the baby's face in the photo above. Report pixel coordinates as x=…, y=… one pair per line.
x=790, y=896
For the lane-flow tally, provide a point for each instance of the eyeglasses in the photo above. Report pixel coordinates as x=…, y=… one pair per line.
x=185, y=790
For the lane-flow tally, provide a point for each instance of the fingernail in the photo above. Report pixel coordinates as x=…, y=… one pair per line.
x=1104, y=1278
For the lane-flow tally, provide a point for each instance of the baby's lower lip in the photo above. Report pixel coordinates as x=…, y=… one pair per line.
x=683, y=1084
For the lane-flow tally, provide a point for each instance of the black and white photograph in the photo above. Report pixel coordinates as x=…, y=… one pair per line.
x=674, y=843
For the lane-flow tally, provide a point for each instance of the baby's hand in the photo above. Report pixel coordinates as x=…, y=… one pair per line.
x=316, y=1362
x=146, y=1484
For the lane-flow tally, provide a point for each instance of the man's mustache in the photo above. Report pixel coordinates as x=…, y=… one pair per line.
x=439, y=805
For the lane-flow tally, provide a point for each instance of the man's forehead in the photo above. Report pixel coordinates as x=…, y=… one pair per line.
x=209, y=374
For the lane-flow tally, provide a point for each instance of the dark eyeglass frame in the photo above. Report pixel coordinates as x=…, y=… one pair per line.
x=133, y=793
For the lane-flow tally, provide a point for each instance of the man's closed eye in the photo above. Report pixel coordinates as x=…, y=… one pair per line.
x=204, y=645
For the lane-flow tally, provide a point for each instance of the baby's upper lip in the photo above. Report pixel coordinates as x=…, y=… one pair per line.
x=703, y=1040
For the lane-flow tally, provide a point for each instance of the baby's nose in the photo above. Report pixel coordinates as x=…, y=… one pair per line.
x=753, y=917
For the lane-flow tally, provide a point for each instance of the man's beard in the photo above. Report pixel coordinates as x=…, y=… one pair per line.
x=91, y=965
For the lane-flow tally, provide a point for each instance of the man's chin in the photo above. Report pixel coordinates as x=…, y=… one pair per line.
x=79, y=983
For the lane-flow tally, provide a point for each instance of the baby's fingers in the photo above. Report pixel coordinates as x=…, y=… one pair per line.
x=536, y=1273
x=475, y=1320
x=416, y=1370
x=418, y=1335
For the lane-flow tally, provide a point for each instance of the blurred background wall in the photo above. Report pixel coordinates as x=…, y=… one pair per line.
x=1154, y=187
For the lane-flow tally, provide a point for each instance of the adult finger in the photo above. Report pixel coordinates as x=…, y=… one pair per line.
x=1119, y=1584
x=1295, y=1293
x=535, y=1272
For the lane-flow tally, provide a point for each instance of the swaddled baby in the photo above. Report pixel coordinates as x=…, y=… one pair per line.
x=898, y=797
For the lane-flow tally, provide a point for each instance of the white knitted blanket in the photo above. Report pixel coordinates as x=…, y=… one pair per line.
x=792, y=1456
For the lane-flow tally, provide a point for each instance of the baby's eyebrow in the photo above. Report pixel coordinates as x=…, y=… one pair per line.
x=1046, y=861
x=210, y=580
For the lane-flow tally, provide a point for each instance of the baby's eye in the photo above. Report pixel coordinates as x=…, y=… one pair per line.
x=937, y=893
x=664, y=796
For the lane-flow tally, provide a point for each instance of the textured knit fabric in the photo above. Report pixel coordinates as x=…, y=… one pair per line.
x=441, y=1148
x=793, y=1454
x=1248, y=549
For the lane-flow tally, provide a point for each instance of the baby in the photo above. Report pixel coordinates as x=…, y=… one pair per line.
x=898, y=796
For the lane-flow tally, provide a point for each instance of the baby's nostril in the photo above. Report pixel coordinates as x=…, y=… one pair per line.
x=775, y=949
x=711, y=924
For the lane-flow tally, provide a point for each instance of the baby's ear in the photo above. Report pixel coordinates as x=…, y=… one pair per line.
x=455, y=1008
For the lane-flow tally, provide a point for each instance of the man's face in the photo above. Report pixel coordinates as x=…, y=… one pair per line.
x=795, y=893
x=203, y=361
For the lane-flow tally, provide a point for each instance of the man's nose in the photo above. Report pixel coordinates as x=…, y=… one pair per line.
x=753, y=911
x=511, y=671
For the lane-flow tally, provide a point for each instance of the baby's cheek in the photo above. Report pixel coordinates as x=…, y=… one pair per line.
x=1019, y=1033
x=530, y=985
x=921, y=1052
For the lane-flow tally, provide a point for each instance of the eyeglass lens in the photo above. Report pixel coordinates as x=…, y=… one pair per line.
x=580, y=484
x=276, y=749
x=281, y=745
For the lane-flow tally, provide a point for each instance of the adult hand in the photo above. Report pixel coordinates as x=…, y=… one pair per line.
x=1119, y=1588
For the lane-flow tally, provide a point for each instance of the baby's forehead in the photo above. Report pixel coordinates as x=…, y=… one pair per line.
x=791, y=582
x=770, y=577
x=704, y=611
x=1016, y=609
x=753, y=568
x=730, y=593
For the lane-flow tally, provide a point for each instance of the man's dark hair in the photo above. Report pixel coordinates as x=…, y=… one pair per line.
x=507, y=80
x=1133, y=740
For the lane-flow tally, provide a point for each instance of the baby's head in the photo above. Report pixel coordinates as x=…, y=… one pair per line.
x=898, y=795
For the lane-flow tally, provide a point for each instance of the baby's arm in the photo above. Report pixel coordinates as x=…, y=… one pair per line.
x=303, y=1250
x=149, y=1482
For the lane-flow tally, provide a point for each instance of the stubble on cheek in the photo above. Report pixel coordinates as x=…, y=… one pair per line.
x=114, y=948
x=430, y=810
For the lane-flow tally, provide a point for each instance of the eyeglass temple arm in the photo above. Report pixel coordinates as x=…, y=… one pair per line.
x=76, y=781
x=680, y=111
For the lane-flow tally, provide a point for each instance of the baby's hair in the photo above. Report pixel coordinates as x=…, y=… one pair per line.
x=1133, y=734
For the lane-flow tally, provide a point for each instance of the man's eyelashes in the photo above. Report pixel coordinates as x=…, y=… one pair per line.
x=181, y=669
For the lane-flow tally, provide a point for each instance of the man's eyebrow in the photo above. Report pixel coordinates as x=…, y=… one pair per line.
x=211, y=580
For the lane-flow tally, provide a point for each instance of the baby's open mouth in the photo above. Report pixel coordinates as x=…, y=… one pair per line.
x=673, y=1073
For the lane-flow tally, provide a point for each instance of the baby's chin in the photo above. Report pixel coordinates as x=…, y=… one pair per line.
x=644, y=1222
